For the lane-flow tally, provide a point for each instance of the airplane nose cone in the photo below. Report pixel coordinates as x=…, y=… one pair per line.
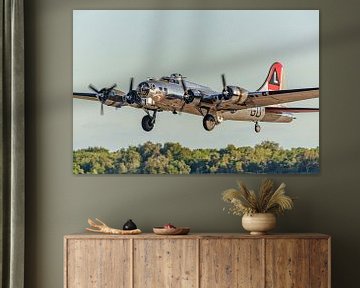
x=144, y=88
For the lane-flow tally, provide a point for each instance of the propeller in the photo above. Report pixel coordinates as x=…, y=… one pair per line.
x=132, y=96
x=188, y=95
x=184, y=86
x=102, y=95
x=131, y=83
x=223, y=82
x=226, y=93
x=92, y=87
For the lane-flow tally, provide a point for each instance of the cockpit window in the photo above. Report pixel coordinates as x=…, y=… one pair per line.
x=174, y=81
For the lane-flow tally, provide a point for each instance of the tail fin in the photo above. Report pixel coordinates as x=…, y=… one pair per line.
x=274, y=78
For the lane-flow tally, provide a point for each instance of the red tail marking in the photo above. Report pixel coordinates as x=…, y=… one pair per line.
x=273, y=81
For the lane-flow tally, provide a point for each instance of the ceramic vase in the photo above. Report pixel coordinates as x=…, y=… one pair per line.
x=259, y=223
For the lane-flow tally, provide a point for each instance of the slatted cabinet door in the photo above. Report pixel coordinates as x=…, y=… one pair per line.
x=99, y=263
x=297, y=263
x=165, y=263
x=231, y=263
x=287, y=263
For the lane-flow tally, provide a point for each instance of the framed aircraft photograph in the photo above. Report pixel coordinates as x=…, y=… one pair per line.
x=195, y=91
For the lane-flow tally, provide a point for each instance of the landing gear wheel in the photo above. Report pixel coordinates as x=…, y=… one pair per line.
x=147, y=123
x=209, y=122
x=257, y=128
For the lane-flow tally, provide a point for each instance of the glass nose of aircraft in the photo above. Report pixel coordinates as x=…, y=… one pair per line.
x=143, y=88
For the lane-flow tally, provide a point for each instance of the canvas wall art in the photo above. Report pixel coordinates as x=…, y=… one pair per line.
x=195, y=92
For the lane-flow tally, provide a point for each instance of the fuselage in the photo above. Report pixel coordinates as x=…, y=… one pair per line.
x=175, y=94
x=167, y=94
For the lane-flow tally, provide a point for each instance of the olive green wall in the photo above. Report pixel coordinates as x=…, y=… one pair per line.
x=59, y=203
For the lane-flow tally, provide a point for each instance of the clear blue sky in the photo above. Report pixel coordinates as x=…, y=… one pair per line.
x=110, y=46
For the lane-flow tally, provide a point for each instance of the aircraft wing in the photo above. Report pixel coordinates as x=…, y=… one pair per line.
x=85, y=96
x=93, y=97
x=290, y=110
x=266, y=98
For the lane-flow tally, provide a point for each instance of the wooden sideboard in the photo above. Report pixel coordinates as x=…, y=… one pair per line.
x=197, y=260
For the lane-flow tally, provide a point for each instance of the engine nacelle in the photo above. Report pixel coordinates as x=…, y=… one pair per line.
x=236, y=94
x=193, y=96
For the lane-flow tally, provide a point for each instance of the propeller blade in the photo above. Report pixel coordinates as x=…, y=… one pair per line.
x=92, y=87
x=112, y=87
x=183, y=85
x=102, y=109
x=102, y=95
x=131, y=83
x=223, y=81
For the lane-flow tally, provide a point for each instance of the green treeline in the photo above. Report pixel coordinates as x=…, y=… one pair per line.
x=172, y=158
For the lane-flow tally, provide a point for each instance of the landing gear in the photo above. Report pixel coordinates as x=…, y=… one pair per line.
x=148, y=122
x=257, y=127
x=209, y=122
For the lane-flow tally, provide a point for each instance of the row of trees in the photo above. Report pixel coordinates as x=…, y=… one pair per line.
x=172, y=158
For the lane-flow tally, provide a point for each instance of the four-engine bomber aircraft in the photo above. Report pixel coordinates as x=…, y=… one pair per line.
x=174, y=93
